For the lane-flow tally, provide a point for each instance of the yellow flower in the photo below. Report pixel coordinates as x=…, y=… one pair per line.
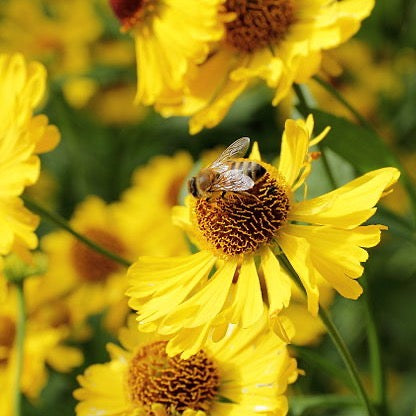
x=113, y=105
x=170, y=35
x=43, y=346
x=359, y=76
x=58, y=33
x=277, y=41
x=243, y=237
x=247, y=373
x=22, y=137
x=89, y=281
x=156, y=185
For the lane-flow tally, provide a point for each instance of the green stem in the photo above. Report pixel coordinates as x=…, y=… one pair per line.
x=338, y=342
x=373, y=340
x=316, y=360
x=347, y=358
x=20, y=339
x=61, y=222
x=376, y=362
x=335, y=93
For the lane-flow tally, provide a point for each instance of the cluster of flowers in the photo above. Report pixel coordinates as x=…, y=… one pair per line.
x=212, y=324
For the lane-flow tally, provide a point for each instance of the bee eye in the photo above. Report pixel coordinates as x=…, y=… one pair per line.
x=192, y=186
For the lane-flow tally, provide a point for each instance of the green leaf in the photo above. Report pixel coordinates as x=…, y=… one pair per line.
x=360, y=146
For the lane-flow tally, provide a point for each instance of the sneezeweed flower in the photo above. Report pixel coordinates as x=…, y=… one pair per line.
x=247, y=372
x=90, y=282
x=170, y=37
x=22, y=137
x=241, y=238
x=43, y=347
x=360, y=76
x=156, y=184
x=279, y=42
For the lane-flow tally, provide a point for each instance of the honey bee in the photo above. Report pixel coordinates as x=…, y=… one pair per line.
x=226, y=174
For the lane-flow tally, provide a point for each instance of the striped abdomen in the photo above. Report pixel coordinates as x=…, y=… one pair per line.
x=252, y=169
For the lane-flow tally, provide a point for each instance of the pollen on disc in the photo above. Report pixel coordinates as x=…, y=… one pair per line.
x=177, y=384
x=241, y=222
x=258, y=23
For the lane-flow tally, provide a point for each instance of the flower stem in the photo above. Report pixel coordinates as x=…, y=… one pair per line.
x=61, y=222
x=347, y=358
x=338, y=342
x=376, y=362
x=336, y=94
x=20, y=339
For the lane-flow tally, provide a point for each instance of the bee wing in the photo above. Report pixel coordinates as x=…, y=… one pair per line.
x=234, y=150
x=232, y=180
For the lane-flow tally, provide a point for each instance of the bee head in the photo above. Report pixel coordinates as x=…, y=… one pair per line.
x=192, y=187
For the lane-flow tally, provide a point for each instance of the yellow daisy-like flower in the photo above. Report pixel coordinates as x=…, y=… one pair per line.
x=43, y=346
x=243, y=235
x=170, y=35
x=90, y=281
x=22, y=137
x=277, y=41
x=156, y=184
x=247, y=372
x=360, y=77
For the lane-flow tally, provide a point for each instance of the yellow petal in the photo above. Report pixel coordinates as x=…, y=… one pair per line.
x=206, y=303
x=297, y=251
x=350, y=205
x=295, y=144
x=159, y=285
x=336, y=254
x=278, y=283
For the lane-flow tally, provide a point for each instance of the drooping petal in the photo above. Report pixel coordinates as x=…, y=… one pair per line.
x=206, y=303
x=277, y=281
x=336, y=254
x=159, y=285
x=297, y=250
x=96, y=398
x=350, y=205
x=249, y=305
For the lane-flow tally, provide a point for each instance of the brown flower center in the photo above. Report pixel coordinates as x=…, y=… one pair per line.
x=7, y=335
x=258, y=22
x=240, y=222
x=130, y=12
x=153, y=377
x=93, y=266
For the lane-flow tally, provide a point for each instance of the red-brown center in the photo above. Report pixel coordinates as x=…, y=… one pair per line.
x=130, y=12
x=240, y=222
x=90, y=265
x=177, y=384
x=258, y=23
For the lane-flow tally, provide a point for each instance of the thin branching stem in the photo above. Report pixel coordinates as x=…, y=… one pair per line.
x=62, y=223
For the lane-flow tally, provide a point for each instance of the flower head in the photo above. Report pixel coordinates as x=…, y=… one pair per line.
x=170, y=37
x=246, y=372
x=276, y=41
x=246, y=240
x=22, y=137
